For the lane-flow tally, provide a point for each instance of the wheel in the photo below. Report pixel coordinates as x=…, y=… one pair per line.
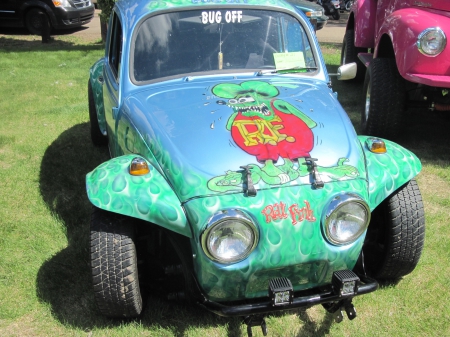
x=384, y=99
x=396, y=234
x=98, y=139
x=114, y=265
x=348, y=5
x=35, y=19
x=349, y=54
x=336, y=15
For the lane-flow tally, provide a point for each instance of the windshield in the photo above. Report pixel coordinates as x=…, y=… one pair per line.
x=195, y=41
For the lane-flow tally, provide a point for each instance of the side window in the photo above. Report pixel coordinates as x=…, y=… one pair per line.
x=115, y=46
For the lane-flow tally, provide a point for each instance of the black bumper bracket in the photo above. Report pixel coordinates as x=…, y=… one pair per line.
x=255, y=320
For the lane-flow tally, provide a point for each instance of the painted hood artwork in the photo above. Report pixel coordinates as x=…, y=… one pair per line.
x=265, y=129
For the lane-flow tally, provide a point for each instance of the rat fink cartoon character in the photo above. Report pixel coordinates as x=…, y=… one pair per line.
x=268, y=128
x=264, y=126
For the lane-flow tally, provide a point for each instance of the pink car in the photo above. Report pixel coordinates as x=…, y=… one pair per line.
x=403, y=45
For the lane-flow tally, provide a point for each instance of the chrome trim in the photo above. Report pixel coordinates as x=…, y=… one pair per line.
x=426, y=31
x=337, y=202
x=217, y=219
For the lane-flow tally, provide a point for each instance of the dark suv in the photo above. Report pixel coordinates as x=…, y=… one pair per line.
x=58, y=13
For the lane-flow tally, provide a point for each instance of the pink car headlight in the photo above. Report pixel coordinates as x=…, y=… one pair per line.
x=431, y=41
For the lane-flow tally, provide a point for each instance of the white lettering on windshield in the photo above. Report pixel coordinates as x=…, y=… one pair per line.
x=216, y=17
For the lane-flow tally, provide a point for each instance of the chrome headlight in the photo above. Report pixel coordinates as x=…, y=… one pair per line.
x=346, y=219
x=229, y=237
x=431, y=41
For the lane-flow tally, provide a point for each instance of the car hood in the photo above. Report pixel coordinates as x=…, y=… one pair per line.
x=212, y=136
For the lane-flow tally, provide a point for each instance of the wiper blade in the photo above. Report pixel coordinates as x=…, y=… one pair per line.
x=285, y=71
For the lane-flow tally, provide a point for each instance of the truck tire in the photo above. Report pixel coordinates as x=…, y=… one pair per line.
x=97, y=138
x=33, y=21
x=114, y=265
x=384, y=98
x=349, y=54
x=396, y=234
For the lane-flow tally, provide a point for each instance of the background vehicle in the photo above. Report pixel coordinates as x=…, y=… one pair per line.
x=331, y=8
x=345, y=5
x=237, y=180
x=404, y=47
x=313, y=11
x=59, y=14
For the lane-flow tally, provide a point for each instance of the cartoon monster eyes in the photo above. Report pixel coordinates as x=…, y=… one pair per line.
x=241, y=100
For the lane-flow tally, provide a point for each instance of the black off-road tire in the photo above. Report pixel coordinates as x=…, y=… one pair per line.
x=396, y=235
x=98, y=139
x=114, y=265
x=34, y=21
x=349, y=54
x=384, y=99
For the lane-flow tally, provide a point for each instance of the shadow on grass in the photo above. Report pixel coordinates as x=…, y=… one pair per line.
x=28, y=43
x=64, y=281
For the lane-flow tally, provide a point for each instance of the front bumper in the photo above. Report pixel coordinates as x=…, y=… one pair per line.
x=73, y=17
x=302, y=299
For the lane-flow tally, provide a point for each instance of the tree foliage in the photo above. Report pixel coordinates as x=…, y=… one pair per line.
x=106, y=7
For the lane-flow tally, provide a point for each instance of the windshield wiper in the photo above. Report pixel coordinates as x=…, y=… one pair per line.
x=285, y=71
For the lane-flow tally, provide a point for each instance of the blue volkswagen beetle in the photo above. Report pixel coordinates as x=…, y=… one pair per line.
x=236, y=180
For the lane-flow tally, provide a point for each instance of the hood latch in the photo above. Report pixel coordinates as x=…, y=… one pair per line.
x=249, y=188
x=317, y=181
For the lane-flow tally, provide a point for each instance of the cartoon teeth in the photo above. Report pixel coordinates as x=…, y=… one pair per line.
x=262, y=109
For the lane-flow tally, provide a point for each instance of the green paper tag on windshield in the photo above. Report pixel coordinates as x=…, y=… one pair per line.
x=289, y=60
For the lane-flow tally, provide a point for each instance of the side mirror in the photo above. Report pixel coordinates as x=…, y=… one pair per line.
x=346, y=72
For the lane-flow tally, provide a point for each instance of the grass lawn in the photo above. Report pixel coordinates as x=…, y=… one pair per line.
x=45, y=153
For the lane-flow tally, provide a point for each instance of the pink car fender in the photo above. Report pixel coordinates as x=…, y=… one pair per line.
x=403, y=27
x=364, y=13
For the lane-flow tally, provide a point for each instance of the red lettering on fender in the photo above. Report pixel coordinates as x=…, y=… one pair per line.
x=300, y=214
x=275, y=212
x=278, y=212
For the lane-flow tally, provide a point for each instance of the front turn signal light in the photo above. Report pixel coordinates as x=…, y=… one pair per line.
x=376, y=145
x=139, y=167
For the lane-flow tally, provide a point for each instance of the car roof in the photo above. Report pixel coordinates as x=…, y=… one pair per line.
x=134, y=10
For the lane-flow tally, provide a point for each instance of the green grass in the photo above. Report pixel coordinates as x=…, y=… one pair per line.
x=45, y=152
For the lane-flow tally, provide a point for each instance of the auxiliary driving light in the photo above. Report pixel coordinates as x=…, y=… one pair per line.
x=281, y=291
x=345, y=282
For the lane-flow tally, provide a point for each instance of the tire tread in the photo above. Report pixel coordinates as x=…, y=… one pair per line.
x=405, y=232
x=114, y=267
x=387, y=99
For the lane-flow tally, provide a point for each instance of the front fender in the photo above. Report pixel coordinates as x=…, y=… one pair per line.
x=389, y=171
x=148, y=197
x=403, y=28
x=96, y=79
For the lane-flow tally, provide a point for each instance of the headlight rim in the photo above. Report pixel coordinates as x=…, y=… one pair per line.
x=337, y=202
x=218, y=218
x=420, y=42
